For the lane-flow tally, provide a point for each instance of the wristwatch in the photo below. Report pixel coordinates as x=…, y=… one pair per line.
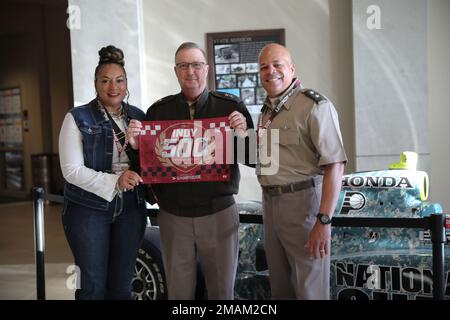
x=323, y=218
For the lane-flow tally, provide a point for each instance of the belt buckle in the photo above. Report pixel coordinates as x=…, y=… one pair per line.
x=291, y=188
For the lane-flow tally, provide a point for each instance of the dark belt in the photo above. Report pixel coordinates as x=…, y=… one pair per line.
x=292, y=187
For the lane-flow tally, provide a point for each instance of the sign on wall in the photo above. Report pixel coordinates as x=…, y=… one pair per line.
x=233, y=59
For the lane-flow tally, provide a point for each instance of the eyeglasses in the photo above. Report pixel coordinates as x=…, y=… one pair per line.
x=185, y=65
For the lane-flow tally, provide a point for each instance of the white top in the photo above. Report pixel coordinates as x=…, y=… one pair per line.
x=73, y=169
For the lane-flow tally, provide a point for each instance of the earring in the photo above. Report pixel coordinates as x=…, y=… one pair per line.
x=128, y=96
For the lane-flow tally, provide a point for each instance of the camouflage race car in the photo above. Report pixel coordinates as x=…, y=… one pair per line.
x=383, y=263
x=366, y=263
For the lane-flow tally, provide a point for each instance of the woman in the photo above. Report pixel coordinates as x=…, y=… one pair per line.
x=104, y=209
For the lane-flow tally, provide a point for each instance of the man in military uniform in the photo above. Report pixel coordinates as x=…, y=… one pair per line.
x=198, y=221
x=301, y=178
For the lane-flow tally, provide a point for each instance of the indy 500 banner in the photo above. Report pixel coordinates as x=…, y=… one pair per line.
x=186, y=150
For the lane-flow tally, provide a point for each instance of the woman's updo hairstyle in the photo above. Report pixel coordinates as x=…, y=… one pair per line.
x=110, y=54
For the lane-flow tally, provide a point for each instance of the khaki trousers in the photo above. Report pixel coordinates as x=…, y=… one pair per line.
x=212, y=241
x=288, y=219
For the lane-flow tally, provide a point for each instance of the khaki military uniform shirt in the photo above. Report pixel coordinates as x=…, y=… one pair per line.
x=309, y=138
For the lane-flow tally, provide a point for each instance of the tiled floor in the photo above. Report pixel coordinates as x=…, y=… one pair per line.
x=17, y=253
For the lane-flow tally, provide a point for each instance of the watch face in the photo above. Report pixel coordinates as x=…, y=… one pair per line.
x=324, y=219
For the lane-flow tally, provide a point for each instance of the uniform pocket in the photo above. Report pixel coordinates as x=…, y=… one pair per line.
x=289, y=137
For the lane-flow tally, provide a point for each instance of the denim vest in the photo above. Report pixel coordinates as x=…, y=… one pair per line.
x=97, y=137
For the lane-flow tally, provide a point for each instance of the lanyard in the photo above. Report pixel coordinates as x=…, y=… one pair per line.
x=120, y=137
x=262, y=129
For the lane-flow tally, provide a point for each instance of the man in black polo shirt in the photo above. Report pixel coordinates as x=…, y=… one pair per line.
x=198, y=220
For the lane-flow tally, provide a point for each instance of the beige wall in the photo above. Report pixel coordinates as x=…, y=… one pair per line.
x=439, y=105
x=96, y=25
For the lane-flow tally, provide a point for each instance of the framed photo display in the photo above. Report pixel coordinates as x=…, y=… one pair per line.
x=233, y=60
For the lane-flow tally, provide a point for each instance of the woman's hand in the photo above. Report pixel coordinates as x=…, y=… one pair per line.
x=128, y=180
x=133, y=132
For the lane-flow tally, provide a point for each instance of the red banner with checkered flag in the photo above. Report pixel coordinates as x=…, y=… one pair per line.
x=186, y=150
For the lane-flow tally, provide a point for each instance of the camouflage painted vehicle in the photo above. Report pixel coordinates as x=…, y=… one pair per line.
x=383, y=263
x=366, y=263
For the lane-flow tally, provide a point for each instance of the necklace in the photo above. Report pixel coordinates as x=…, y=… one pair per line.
x=116, y=113
x=120, y=138
x=117, y=140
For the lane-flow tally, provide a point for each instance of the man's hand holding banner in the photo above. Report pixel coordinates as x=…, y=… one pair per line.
x=186, y=150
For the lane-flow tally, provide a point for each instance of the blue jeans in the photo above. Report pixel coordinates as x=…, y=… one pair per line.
x=105, y=246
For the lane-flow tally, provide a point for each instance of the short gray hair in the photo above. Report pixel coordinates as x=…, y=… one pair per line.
x=190, y=45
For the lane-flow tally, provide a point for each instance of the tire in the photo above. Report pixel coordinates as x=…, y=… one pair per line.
x=149, y=281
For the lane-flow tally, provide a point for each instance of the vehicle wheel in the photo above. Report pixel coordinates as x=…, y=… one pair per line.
x=149, y=282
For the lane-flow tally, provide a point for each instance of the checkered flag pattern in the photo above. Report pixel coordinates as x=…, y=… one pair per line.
x=148, y=130
x=215, y=172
